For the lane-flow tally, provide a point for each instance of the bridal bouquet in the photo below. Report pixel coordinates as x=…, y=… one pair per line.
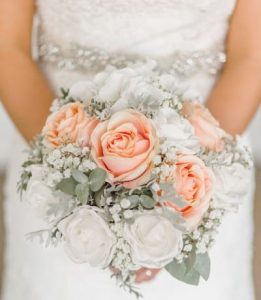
x=128, y=173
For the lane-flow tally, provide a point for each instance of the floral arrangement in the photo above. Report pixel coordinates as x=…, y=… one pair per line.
x=127, y=173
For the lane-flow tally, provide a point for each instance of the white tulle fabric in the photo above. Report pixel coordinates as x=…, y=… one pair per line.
x=150, y=29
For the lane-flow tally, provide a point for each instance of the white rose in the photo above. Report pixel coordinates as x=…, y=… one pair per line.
x=153, y=239
x=177, y=130
x=141, y=92
x=88, y=238
x=83, y=90
x=114, y=84
x=40, y=196
x=168, y=83
x=111, y=83
x=232, y=185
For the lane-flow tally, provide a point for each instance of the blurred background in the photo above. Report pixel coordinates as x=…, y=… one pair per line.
x=6, y=135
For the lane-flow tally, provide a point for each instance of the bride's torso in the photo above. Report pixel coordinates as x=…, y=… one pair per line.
x=76, y=39
x=79, y=38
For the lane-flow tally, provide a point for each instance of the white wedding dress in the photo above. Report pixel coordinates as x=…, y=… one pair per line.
x=76, y=39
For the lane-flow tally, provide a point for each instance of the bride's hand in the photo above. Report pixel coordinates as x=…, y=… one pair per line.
x=145, y=274
x=142, y=275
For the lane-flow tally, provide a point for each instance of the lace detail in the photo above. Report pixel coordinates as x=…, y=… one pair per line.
x=95, y=59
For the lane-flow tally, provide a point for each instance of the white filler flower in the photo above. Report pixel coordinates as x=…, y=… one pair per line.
x=153, y=239
x=88, y=238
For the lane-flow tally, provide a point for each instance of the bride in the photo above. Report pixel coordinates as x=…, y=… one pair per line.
x=75, y=39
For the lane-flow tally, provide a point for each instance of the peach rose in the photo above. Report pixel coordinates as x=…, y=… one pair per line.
x=194, y=182
x=70, y=124
x=124, y=146
x=206, y=127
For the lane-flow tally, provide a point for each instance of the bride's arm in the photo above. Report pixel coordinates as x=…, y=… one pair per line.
x=237, y=94
x=23, y=89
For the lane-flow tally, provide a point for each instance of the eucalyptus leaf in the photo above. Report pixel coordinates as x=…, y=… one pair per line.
x=82, y=192
x=67, y=186
x=179, y=271
x=134, y=201
x=97, y=179
x=147, y=202
x=79, y=176
x=191, y=260
x=203, y=265
x=99, y=199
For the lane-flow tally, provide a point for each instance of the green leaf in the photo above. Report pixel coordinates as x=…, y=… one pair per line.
x=179, y=271
x=99, y=199
x=67, y=186
x=147, y=202
x=203, y=265
x=97, y=179
x=191, y=260
x=79, y=176
x=82, y=192
x=134, y=200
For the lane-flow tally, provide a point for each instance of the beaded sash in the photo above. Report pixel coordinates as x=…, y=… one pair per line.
x=83, y=59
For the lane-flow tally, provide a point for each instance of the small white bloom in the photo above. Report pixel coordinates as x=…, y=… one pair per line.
x=88, y=165
x=188, y=248
x=196, y=234
x=88, y=238
x=157, y=159
x=67, y=173
x=116, y=217
x=153, y=239
x=85, y=151
x=128, y=214
x=209, y=224
x=109, y=200
x=125, y=203
x=57, y=153
x=213, y=215
x=201, y=247
x=76, y=162
x=171, y=156
x=155, y=187
x=53, y=178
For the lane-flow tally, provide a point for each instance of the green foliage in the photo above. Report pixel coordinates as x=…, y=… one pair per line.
x=147, y=202
x=191, y=269
x=80, y=185
x=134, y=201
x=67, y=186
x=99, y=198
x=82, y=192
x=203, y=265
x=97, y=179
x=179, y=271
x=79, y=176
